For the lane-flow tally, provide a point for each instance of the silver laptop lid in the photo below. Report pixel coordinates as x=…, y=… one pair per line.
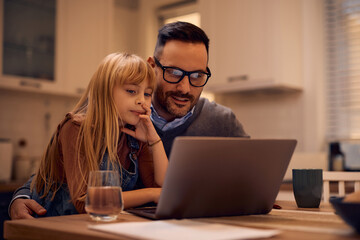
x=216, y=176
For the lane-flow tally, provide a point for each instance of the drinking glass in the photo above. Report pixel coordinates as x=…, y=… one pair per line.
x=104, y=200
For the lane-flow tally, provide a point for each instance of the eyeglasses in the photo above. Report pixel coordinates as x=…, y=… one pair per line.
x=175, y=75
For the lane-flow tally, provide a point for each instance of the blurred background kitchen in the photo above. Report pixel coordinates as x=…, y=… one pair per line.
x=287, y=68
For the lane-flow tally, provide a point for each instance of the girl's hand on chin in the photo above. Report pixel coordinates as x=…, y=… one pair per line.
x=144, y=129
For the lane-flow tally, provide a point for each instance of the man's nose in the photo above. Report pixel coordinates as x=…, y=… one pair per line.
x=184, y=85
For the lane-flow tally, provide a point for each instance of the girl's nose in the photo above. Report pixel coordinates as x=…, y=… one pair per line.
x=139, y=101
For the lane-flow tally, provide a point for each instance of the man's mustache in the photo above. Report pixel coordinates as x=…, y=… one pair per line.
x=180, y=95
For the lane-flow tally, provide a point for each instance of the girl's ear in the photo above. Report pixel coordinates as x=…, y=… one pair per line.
x=151, y=61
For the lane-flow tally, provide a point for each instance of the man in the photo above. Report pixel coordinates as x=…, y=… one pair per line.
x=181, y=66
x=180, y=62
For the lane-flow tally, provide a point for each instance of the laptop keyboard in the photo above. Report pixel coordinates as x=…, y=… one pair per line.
x=150, y=210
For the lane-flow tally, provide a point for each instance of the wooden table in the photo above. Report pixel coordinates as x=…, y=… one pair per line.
x=10, y=186
x=293, y=222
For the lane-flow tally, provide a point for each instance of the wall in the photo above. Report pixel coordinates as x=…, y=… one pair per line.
x=31, y=116
x=267, y=115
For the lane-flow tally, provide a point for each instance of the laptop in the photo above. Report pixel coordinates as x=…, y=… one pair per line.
x=218, y=176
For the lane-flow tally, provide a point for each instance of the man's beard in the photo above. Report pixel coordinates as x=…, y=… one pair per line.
x=176, y=110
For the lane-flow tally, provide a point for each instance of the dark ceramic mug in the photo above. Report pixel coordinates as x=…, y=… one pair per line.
x=307, y=187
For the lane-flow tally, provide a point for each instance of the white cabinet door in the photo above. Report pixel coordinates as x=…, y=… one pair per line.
x=254, y=44
x=84, y=30
x=83, y=35
x=27, y=58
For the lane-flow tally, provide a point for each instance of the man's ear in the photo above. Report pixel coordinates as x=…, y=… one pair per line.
x=151, y=61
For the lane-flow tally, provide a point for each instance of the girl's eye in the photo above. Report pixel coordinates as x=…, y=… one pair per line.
x=148, y=94
x=130, y=91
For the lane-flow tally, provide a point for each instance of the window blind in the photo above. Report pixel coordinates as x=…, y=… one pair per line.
x=343, y=68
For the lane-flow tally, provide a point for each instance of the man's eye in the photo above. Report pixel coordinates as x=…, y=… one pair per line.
x=197, y=75
x=175, y=72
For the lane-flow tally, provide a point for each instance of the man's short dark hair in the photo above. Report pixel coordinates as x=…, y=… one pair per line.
x=181, y=31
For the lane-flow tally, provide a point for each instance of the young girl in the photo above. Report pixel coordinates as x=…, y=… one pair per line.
x=109, y=128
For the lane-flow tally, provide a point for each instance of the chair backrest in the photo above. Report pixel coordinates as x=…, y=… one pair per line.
x=341, y=178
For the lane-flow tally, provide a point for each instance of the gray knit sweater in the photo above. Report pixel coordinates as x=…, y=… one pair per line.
x=208, y=119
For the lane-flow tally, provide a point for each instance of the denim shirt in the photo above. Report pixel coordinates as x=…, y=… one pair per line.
x=62, y=205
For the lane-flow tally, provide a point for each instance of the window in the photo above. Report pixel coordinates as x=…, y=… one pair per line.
x=343, y=69
x=193, y=18
x=185, y=11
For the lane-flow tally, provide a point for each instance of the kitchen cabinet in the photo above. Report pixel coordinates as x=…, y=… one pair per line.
x=254, y=44
x=27, y=43
x=83, y=33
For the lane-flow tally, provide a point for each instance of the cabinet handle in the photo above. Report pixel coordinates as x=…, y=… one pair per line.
x=238, y=78
x=80, y=90
x=30, y=84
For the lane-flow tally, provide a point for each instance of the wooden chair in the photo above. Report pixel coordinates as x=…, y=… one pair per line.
x=341, y=178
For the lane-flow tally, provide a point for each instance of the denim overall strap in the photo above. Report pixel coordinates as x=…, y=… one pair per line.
x=60, y=205
x=128, y=177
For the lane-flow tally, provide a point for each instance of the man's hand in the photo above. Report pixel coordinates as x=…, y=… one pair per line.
x=25, y=208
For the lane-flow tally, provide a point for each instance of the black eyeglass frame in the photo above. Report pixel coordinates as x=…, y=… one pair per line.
x=184, y=73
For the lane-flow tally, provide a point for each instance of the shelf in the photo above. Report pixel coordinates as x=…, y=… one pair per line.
x=253, y=86
x=38, y=90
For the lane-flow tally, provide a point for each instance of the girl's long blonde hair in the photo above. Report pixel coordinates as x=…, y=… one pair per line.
x=99, y=131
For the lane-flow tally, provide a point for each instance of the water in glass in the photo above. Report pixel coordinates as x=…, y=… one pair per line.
x=104, y=197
